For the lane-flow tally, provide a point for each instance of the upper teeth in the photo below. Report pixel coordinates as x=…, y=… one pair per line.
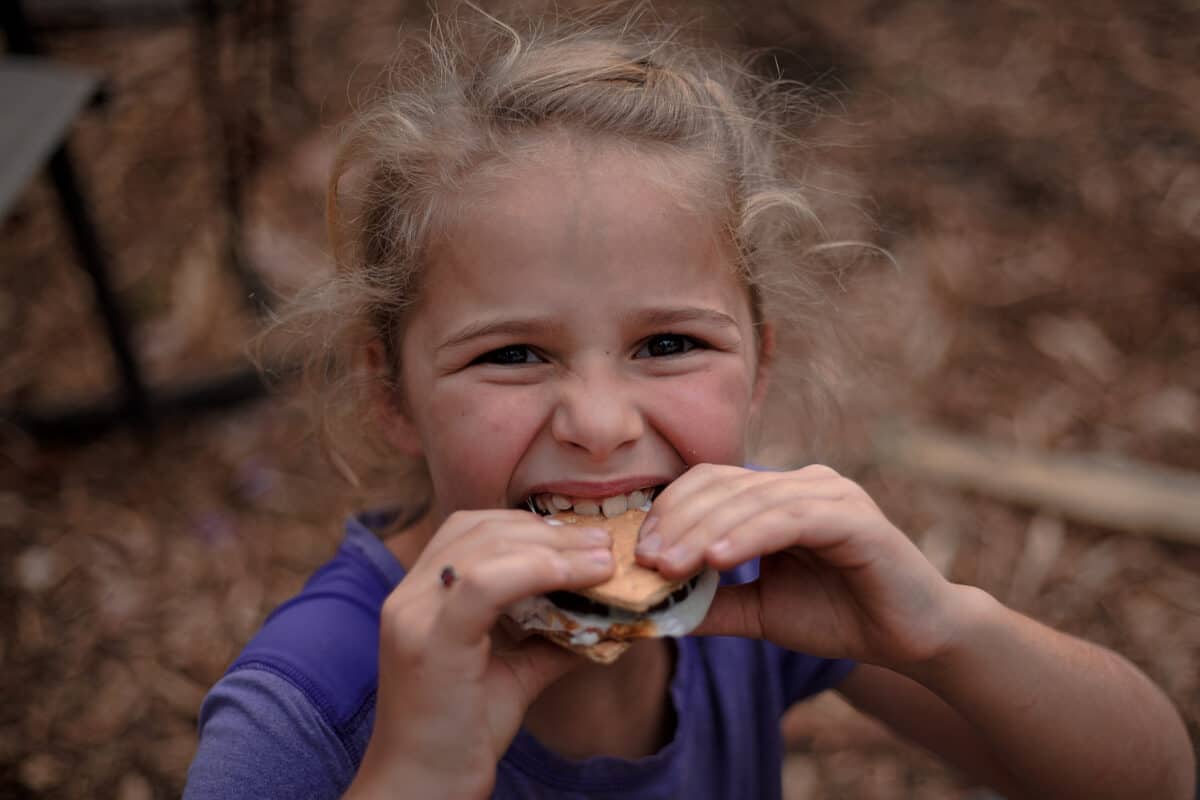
x=610, y=506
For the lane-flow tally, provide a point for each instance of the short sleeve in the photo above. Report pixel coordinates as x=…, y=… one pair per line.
x=260, y=737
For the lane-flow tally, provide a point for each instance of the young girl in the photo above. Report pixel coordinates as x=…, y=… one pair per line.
x=568, y=280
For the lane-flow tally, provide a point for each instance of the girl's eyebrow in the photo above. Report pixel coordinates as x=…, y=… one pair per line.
x=517, y=328
x=525, y=327
x=668, y=317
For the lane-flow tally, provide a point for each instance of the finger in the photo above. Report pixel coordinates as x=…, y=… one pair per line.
x=512, y=524
x=493, y=536
x=826, y=527
x=535, y=664
x=510, y=633
x=736, y=517
x=689, y=530
x=490, y=544
x=701, y=491
x=489, y=539
x=689, y=497
x=484, y=589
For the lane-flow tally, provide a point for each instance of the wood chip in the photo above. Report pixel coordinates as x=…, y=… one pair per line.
x=134, y=786
x=1076, y=340
x=41, y=772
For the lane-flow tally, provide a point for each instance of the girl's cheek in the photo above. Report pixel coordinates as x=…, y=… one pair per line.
x=490, y=415
x=707, y=420
x=478, y=436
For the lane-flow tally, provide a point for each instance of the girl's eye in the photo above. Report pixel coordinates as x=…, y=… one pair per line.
x=666, y=344
x=512, y=354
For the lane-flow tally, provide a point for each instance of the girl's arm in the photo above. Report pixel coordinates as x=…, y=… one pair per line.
x=1033, y=712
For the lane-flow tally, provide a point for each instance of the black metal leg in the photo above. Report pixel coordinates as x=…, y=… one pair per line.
x=283, y=55
x=135, y=404
x=226, y=131
x=16, y=29
x=87, y=248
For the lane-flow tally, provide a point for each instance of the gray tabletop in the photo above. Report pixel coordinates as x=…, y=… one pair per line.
x=39, y=99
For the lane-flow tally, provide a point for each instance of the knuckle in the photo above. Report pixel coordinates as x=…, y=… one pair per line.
x=495, y=527
x=405, y=639
x=850, y=493
x=392, y=607
x=785, y=517
x=396, y=610
x=724, y=471
x=554, y=568
x=471, y=582
x=801, y=514
x=406, y=644
x=458, y=523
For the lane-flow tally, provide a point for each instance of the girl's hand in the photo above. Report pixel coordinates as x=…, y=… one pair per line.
x=449, y=703
x=836, y=580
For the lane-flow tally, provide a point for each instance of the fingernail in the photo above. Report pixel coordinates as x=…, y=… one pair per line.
x=600, y=555
x=720, y=547
x=596, y=536
x=649, y=545
x=676, y=555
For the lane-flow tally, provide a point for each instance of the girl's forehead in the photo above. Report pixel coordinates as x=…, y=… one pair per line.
x=581, y=221
x=586, y=208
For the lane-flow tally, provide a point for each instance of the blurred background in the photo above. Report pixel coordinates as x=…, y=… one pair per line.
x=1034, y=169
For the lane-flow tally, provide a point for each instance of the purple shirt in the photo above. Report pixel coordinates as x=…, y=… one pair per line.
x=293, y=715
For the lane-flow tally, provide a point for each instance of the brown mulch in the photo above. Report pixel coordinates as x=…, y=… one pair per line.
x=1035, y=174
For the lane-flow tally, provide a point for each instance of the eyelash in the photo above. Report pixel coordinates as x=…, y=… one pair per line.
x=496, y=356
x=688, y=343
x=500, y=356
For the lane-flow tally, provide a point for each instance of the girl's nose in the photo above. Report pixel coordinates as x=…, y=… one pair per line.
x=597, y=415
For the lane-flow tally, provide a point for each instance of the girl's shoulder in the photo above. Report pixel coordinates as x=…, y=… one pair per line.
x=291, y=716
x=325, y=639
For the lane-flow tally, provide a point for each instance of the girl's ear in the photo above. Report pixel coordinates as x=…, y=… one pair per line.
x=387, y=403
x=766, y=360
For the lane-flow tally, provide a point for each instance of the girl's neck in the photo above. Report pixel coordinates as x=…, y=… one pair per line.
x=621, y=710
x=406, y=543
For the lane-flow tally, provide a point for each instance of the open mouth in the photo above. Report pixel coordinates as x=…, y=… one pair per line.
x=547, y=504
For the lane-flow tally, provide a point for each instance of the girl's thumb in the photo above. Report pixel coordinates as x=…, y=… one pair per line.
x=535, y=664
x=734, y=612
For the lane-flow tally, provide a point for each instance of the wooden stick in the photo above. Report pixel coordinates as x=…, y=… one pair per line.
x=1103, y=490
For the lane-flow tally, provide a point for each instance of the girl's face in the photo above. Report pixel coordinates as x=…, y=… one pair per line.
x=578, y=334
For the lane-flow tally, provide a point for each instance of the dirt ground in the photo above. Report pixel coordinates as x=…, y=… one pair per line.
x=1034, y=174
